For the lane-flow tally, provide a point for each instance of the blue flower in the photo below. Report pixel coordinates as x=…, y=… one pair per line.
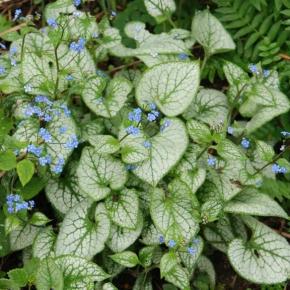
x=69, y=78
x=34, y=150
x=77, y=14
x=47, y=118
x=171, y=243
x=27, y=88
x=77, y=2
x=133, y=130
x=2, y=70
x=152, y=106
x=78, y=46
x=165, y=125
x=245, y=143
x=266, y=73
x=285, y=134
x=183, y=56
x=135, y=115
x=130, y=167
x=66, y=110
x=253, y=68
x=44, y=160
x=191, y=251
x=211, y=161
x=72, y=142
x=147, y=144
x=230, y=130
x=113, y=13
x=17, y=13
x=152, y=116
x=62, y=129
x=42, y=99
x=59, y=166
x=15, y=203
x=52, y=23
x=45, y=135
x=161, y=239
x=2, y=45
x=278, y=169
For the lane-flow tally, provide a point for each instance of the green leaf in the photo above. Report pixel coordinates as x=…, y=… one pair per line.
x=210, y=33
x=252, y=202
x=128, y=259
x=160, y=9
x=7, y=160
x=56, y=148
x=199, y=132
x=32, y=188
x=104, y=144
x=146, y=256
x=189, y=260
x=99, y=174
x=167, y=148
x=265, y=259
x=123, y=208
x=205, y=265
x=43, y=245
x=4, y=241
x=174, y=210
x=167, y=263
x=27, y=131
x=109, y=286
x=116, y=95
x=53, y=10
x=39, y=219
x=208, y=106
x=122, y=238
x=18, y=276
x=79, y=273
x=64, y=193
x=25, y=171
x=143, y=282
x=22, y=237
x=171, y=86
x=263, y=104
x=81, y=236
x=49, y=275
x=178, y=277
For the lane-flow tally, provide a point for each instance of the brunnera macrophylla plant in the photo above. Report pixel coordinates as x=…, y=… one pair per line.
x=143, y=166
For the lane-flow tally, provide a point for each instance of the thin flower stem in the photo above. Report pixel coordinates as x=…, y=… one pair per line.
x=272, y=161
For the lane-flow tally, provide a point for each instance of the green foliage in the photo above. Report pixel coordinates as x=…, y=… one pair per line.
x=132, y=159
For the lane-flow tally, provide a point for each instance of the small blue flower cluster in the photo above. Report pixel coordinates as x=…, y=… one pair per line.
x=17, y=14
x=2, y=70
x=59, y=166
x=171, y=243
x=161, y=239
x=77, y=2
x=211, y=161
x=165, y=125
x=245, y=143
x=16, y=204
x=34, y=150
x=285, y=134
x=78, y=46
x=72, y=142
x=52, y=23
x=133, y=130
x=147, y=144
x=254, y=69
x=45, y=135
x=278, y=169
x=153, y=114
x=183, y=56
x=230, y=130
x=135, y=115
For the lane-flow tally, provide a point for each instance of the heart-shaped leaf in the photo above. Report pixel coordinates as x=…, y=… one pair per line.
x=171, y=86
x=174, y=210
x=98, y=174
x=264, y=259
x=43, y=245
x=79, y=235
x=210, y=33
x=167, y=148
x=123, y=208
